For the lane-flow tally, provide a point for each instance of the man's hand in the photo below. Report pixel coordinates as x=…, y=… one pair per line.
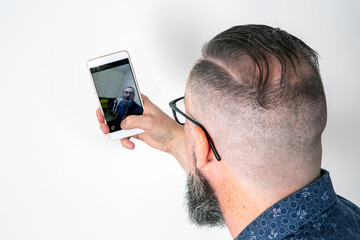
x=161, y=132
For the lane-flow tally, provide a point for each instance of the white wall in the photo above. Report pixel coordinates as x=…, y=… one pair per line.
x=60, y=178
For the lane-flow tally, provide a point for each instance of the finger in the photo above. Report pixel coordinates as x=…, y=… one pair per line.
x=143, y=122
x=148, y=105
x=104, y=128
x=126, y=143
x=99, y=115
x=140, y=137
x=144, y=98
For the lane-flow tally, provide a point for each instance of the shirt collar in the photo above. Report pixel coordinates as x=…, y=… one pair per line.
x=291, y=213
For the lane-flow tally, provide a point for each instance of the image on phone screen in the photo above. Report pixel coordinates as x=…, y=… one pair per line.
x=117, y=91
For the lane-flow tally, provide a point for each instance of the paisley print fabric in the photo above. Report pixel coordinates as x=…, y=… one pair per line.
x=314, y=212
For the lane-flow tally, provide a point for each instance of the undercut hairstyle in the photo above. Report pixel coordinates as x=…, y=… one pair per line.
x=260, y=83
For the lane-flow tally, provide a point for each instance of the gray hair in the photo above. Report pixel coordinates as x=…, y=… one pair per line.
x=259, y=85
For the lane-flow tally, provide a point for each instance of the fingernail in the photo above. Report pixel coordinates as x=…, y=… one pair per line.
x=123, y=125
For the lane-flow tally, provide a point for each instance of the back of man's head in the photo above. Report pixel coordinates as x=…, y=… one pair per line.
x=258, y=92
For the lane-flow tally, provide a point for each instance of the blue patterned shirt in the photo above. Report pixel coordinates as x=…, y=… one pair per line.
x=314, y=212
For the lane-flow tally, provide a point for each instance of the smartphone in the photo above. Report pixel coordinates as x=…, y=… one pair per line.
x=117, y=91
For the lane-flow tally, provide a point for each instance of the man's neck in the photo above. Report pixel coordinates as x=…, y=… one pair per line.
x=242, y=202
x=240, y=206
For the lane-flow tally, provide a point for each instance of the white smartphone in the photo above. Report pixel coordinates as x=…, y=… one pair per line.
x=117, y=91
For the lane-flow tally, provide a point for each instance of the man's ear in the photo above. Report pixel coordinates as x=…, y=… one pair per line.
x=203, y=151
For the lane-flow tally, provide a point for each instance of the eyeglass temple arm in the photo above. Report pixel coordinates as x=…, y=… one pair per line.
x=210, y=142
x=173, y=107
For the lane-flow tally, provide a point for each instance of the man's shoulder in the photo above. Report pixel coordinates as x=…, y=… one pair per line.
x=340, y=221
x=136, y=108
x=314, y=212
x=136, y=105
x=348, y=206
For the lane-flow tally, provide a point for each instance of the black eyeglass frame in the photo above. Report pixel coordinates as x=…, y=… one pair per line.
x=174, y=109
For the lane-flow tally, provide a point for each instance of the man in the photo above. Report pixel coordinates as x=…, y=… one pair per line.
x=251, y=143
x=126, y=105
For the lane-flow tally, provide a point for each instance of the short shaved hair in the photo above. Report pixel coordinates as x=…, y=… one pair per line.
x=261, y=86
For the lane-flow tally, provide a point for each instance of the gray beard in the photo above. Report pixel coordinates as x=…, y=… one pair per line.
x=127, y=103
x=202, y=204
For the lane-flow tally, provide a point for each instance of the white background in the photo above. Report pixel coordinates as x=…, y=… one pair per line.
x=60, y=178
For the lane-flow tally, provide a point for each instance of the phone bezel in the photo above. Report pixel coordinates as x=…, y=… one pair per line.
x=109, y=58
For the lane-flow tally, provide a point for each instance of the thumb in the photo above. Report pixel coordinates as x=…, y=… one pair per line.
x=136, y=121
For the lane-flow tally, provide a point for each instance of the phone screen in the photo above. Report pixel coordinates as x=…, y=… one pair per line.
x=117, y=91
